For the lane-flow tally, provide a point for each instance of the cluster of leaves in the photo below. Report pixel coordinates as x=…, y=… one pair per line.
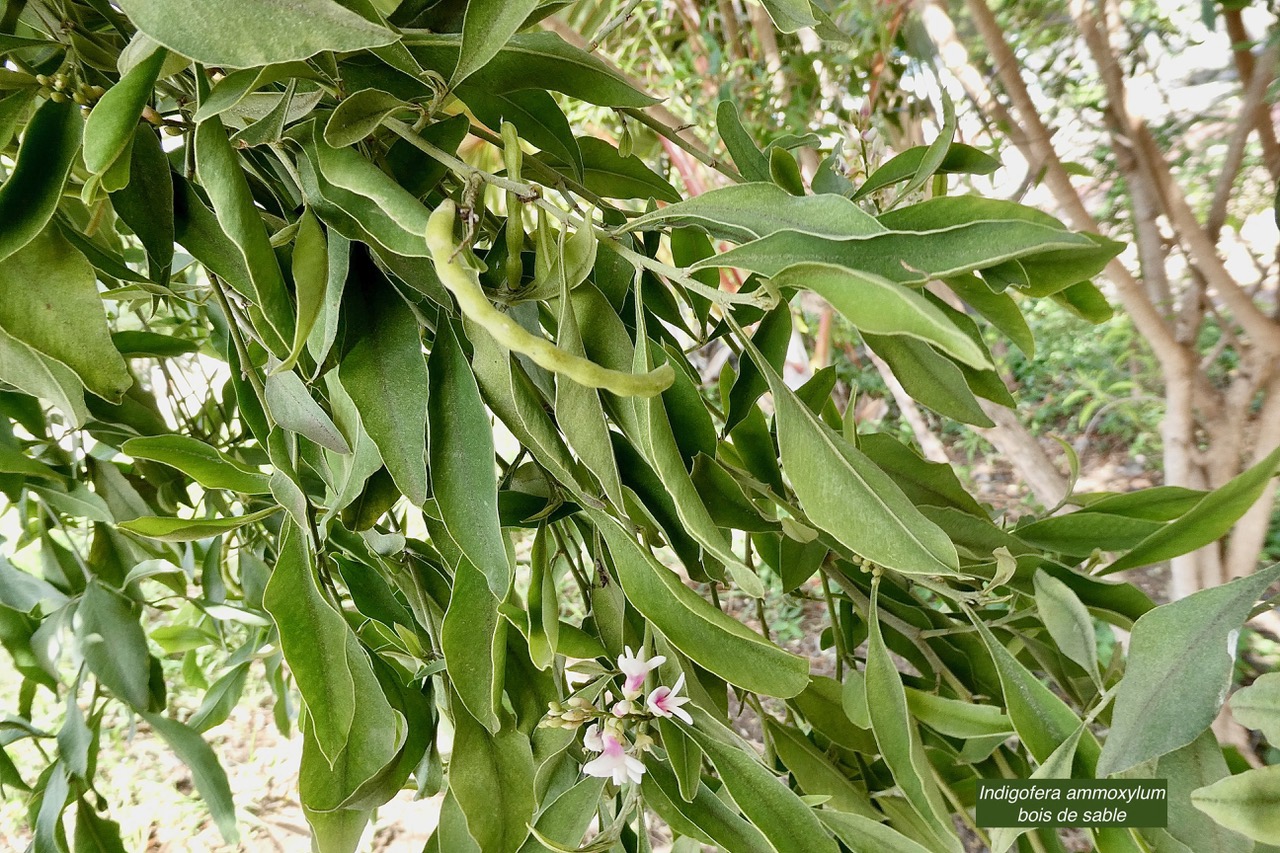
x=338, y=514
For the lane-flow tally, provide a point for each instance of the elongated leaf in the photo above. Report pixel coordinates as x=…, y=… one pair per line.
x=815, y=774
x=935, y=154
x=959, y=159
x=783, y=818
x=190, y=529
x=111, y=124
x=358, y=115
x=63, y=317
x=1209, y=520
x=1191, y=643
x=43, y=377
x=486, y=27
x=206, y=771
x=833, y=480
x=907, y=257
x=708, y=636
x=310, y=279
x=113, y=644
x=463, y=475
x=219, y=700
x=293, y=408
x=30, y=194
x=929, y=377
x=134, y=344
x=956, y=718
x=705, y=817
x=879, y=306
x=862, y=833
x=536, y=60
x=1042, y=720
x=606, y=172
x=318, y=646
x=1248, y=803
x=1196, y=766
x=747, y=212
x=749, y=159
x=246, y=33
x=899, y=741
x=1069, y=623
x=491, y=776
x=223, y=178
x=473, y=638
x=536, y=116
x=207, y=465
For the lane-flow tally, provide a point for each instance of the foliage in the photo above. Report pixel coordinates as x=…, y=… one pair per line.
x=341, y=516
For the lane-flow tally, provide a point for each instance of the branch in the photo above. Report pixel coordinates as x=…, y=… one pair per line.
x=1263, y=74
x=1126, y=128
x=1034, y=140
x=1240, y=42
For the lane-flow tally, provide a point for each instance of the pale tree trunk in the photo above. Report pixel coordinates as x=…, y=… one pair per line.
x=1206, y=430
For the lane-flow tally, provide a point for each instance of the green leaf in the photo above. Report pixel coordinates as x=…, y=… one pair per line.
x=790, y=15
x=1207, y=521
x=814, y=772
x=785, y=171
x=1197, y=765
x=109, y=130
x=224, y=179
x=999, y=309
x=1248, y=803
x=536, y=60
x=746, y=212
x=219, y=700
x=899, y=741
x=138, y=344
x=1190, y=643
x=95, y=834
x=565, y=819
x=537, y=117
x=955, y=718
x=1068, y=622
x=41, y=376
x=77, y=502
x=207, y=465
x=63, y=318
x=931, y=378
x=310, y=280
x=705, y=817
x=358, y=115
x=863, y=833
x=608, y=173
x=14, y=461
x=876, y=305
x=246, y=33
x=746, y=155
x=30, y=194
x=491, y=776
x=907, y=257
x=293, y=408
x=1258, y=706
x=789, y=824
x=473, y=639
x=113, y=644
x=168, y=529
x=206, y=771
x=321, y=650
x=833, y=479
x=463, y=475
x=959, y=159
x=935, y=154
x=486, y=28
x=711, y=638
x=1056, y=766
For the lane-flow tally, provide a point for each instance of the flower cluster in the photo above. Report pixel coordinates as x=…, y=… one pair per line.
x=619, y=758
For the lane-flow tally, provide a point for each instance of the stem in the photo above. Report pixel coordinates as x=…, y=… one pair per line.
x=673, y=135
x=836, y=632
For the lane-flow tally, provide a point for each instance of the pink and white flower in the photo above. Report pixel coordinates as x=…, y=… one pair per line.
x=591, y=738
x=613, y=761
x=663, y=702
x=636, y=668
